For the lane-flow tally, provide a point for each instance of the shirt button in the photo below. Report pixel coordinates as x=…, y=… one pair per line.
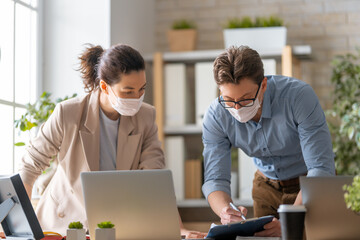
x=264, y=149
x=61, y=215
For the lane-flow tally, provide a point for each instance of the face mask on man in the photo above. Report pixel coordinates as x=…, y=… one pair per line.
x=126, y=106
x=245, y=114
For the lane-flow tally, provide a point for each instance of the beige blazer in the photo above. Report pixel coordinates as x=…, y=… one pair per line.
x=72, y=133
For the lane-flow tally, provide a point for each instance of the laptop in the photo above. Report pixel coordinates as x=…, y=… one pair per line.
x=141, y=203
x=327, y=216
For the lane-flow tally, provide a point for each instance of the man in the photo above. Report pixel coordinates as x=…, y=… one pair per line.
x=278, y=121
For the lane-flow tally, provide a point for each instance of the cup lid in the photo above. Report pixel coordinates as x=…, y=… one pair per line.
x=291, y=208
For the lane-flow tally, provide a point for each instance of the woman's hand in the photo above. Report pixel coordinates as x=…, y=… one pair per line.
x=272, y=229
x=192, y=234
x=229, y=215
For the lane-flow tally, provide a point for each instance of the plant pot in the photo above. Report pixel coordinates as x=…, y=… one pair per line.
x=105, y=234
x=75, y=234
x=264, y=39
x=182, y=40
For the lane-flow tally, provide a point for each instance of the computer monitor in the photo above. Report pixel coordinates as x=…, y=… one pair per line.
x=17, y=215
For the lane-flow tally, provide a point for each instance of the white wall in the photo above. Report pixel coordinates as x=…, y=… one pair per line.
x=133, y=23
x=67, y=25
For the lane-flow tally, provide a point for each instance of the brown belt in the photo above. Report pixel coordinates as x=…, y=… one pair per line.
x=283, y=183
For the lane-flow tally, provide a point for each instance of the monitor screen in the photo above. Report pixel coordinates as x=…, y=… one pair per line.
x=21, y=222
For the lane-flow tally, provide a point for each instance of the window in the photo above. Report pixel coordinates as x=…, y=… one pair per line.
x=19, y=21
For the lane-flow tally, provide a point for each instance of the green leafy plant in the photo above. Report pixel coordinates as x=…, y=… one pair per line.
x=183, y=24
x=352, y=196
x=37, y=113
x=105, y=225
x=344, y=117
x=247, y=22
x=75, y=225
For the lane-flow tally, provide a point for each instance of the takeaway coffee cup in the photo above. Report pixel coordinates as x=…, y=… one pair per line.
x=292, y=221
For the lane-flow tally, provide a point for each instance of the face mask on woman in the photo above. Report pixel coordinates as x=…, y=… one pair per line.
x=126, y=106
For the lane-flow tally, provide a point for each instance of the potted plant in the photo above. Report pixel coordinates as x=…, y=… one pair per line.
x=262, y=34
x=352, y=195
x=182, y=36
x=344, y=117
x=75, y=231
x=105, y=231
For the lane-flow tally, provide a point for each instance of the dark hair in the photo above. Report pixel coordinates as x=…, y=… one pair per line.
x=236, y=64
x=97, y=63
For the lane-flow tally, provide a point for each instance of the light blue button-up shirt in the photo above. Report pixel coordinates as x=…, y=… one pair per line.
x=291, y=138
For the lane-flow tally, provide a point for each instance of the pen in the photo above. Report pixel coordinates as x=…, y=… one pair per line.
x=236, y=209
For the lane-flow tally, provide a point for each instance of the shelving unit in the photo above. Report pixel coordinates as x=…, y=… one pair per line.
x=188, y=129
x=290, y=66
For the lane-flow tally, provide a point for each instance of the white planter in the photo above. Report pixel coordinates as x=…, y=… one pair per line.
x=75, y=234
x=105, y=234
x=263, y=40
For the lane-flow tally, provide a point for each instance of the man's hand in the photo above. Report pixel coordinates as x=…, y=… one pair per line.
x=229, y=215
x=272, y=229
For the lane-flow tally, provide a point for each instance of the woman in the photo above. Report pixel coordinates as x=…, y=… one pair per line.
x=108, y=129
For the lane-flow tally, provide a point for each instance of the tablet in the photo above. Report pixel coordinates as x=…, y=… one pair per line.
x=243, y=228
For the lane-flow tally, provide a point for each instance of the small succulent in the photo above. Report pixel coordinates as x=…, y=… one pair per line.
x=75, y=225
x=183, y=24
x=105, y=225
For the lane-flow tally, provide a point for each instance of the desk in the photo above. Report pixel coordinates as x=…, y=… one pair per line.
x=258, y=238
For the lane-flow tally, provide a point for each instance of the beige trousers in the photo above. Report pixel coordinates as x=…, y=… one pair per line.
x=269, y=194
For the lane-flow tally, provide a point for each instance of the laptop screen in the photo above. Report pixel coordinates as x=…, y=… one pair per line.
x=327, y=216
x=141, y=203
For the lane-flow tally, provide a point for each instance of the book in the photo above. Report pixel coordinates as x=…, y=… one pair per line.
x=243, y=228
x=193, y=179
x=206, y=89
x=175, y=94
x=174, y=160
x=269, y=66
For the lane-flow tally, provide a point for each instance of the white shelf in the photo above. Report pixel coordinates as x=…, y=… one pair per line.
x=183, y=130
x=204, y=203
x=300, y=51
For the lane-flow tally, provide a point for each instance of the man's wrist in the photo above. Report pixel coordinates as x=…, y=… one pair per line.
x=218, y=200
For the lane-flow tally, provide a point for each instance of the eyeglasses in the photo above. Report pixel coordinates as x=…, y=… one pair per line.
x=243, y=103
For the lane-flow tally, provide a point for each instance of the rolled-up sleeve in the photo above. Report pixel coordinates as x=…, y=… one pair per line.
x=217, y=158
x=315, y=138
